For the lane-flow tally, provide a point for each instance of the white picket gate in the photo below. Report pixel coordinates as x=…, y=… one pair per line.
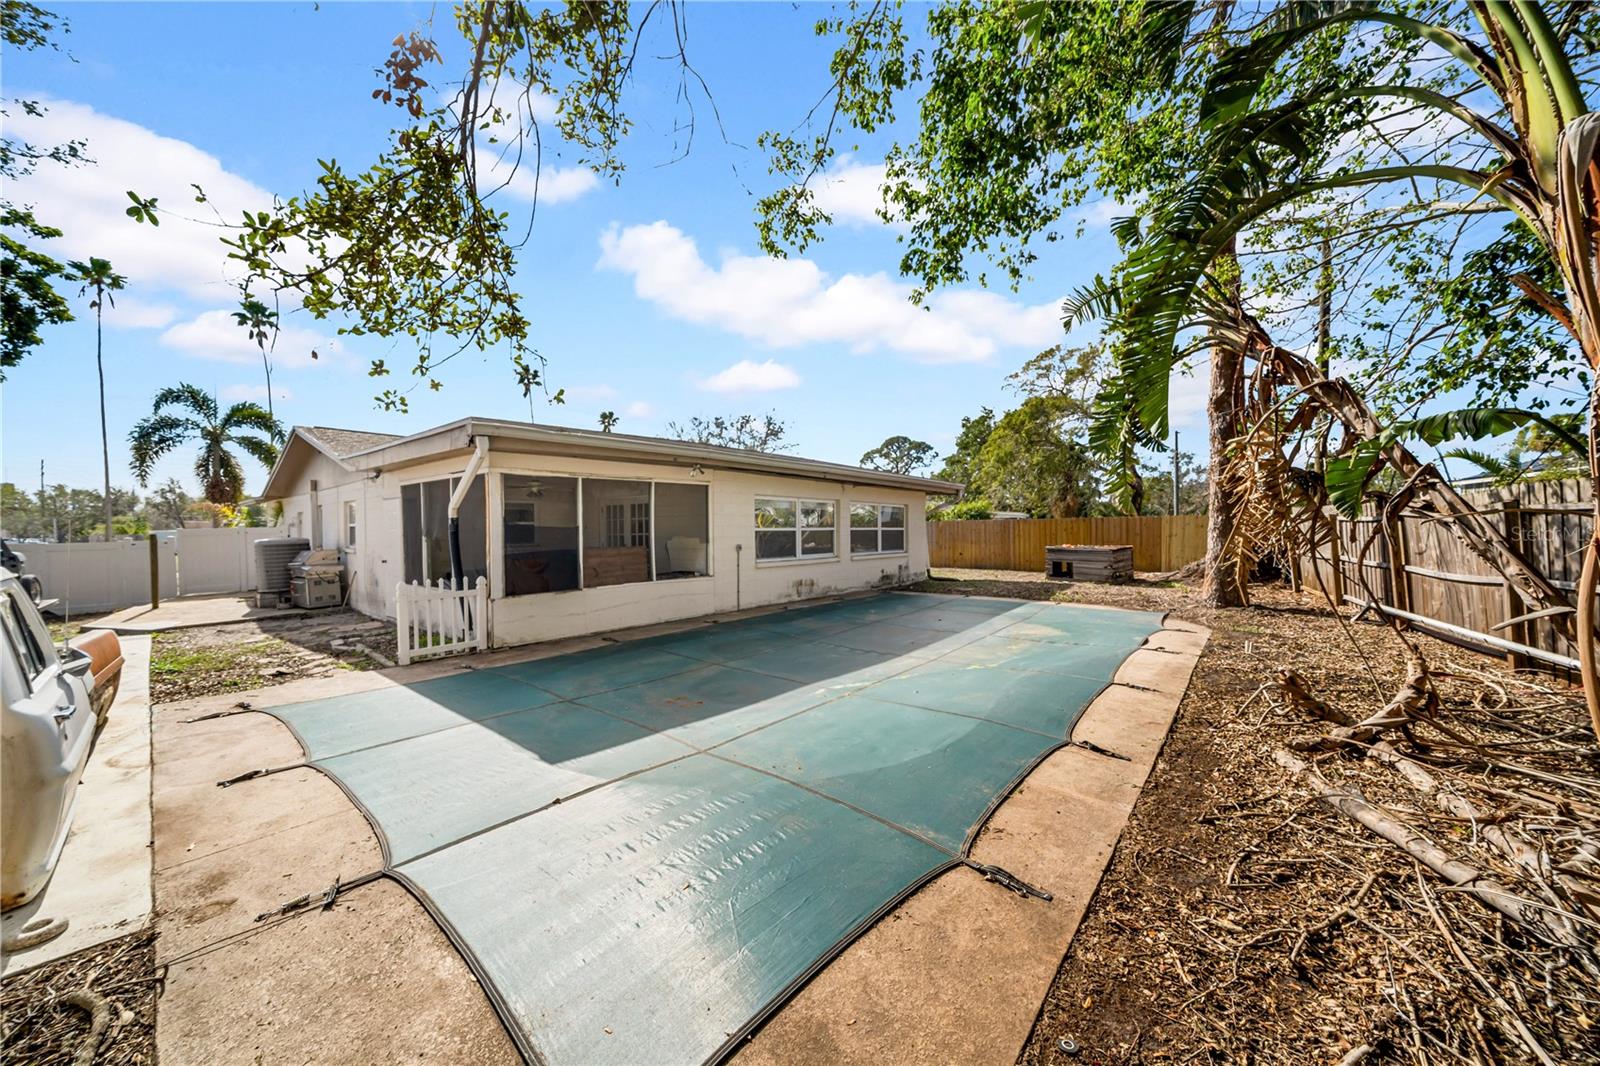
x=441, y=620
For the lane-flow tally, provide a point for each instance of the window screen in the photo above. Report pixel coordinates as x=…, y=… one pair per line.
x=682, y=531
x=541, y=534
x=616, y=532
x=425, y=527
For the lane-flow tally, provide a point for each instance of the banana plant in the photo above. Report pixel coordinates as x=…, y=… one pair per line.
x=1522, y=98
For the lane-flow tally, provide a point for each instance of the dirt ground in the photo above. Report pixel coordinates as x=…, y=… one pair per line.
x=186, y=663
x=1241, y=921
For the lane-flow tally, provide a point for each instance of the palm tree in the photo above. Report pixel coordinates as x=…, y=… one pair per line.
x=262, y=323
x=219, y=471
x=97, y=275
x=1541, y=144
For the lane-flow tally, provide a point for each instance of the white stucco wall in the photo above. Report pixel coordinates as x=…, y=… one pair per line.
x=376, y=564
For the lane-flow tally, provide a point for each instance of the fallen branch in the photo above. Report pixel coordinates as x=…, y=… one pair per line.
x=1415, y=699
x=1539, y=919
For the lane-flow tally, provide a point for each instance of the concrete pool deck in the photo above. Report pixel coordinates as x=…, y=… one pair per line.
x=957, y=971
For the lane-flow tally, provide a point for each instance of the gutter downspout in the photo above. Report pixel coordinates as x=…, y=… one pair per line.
x=475, y=464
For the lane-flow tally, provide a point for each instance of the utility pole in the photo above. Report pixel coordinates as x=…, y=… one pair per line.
x=1177, y=476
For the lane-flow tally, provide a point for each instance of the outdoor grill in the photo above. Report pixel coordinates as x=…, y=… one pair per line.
x=315, y=578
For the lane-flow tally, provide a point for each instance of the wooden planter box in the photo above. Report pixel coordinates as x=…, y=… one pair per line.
x=1089, y=562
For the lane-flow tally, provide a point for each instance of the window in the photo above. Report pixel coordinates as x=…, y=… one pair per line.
x=22, y=637
x=425, y=527
x=616, y=532
x=541, y=534
x=877, y=528
x=794, y=529
x=350, y=524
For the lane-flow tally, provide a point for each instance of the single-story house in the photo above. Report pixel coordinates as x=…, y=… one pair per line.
x=579, y=531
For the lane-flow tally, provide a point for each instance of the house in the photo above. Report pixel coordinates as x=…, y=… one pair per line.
x=578, y=531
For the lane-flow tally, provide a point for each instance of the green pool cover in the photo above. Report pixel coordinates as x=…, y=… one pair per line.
x=645, y=848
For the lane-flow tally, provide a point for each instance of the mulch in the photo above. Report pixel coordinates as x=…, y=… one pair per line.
x=45, y=1019
x=1242, y=920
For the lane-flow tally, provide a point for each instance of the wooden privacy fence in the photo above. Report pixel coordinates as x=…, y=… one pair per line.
x=1420, y=567
x=1161, y=542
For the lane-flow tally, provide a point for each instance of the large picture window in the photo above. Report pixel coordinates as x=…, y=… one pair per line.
x=795, y=529
x=877, y=528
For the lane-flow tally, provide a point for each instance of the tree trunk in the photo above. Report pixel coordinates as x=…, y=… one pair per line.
x=105, y=439
x=1224, y=585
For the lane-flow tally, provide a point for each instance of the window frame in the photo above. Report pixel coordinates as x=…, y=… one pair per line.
x=877, y=529
x=796, y=505
x=350, y=525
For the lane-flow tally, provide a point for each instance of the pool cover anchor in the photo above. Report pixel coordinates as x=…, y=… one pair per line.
x=242, y=707
x=251, y=775
x=323, y=900
x=1091, y=746
x=1008, y=880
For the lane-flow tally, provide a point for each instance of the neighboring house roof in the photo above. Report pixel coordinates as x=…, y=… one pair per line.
x=387, y=451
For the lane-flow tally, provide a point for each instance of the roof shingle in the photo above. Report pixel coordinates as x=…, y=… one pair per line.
x=343, y=442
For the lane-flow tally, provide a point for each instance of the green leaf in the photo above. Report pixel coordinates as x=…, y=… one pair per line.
x=1478, y=423
x=1346, y=476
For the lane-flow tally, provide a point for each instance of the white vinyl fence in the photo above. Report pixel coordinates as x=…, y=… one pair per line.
x=86, y=578
x=211, y=561
x=441, y=620
x=97, y=576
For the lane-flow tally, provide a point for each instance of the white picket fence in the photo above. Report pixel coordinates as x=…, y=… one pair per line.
x=441, y=620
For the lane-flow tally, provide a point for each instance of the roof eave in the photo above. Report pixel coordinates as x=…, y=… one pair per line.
x=461, y=432
x=283, y=453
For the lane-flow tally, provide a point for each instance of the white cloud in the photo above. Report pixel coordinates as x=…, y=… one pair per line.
x=258, y=393
x=749, y=376
x=507, y=161
x=216, y=336
x=639, y=409
x=850, y=192
x=1102, y=212
x=88, y=203
x=133, y=313
x=786, y=302
x=523, y=181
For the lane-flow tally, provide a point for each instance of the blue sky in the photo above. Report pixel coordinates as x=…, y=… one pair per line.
x=649, y=299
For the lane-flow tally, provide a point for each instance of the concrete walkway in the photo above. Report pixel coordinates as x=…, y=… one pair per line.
x=102, y=882
x=192, y=612
x=954, y=974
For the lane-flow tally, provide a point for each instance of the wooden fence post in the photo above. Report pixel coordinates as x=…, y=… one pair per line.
x=1399, y=559
x=155, y=571
x=1515, y=531
x=1334, y=537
